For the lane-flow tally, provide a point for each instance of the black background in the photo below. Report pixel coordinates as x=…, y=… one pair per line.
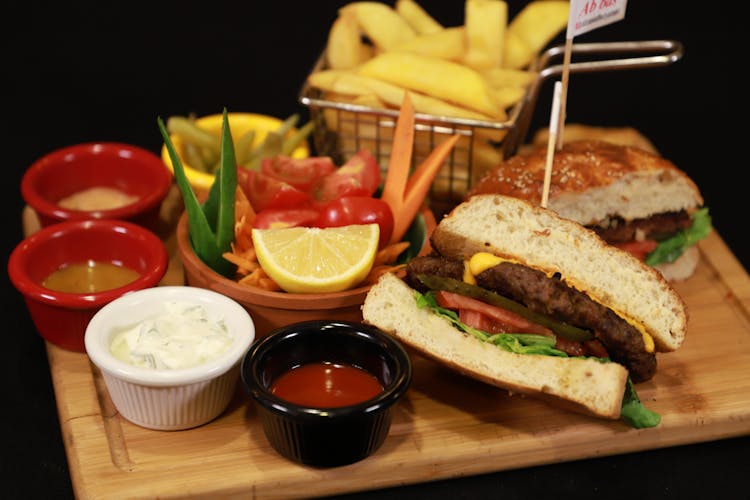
x=89, y=71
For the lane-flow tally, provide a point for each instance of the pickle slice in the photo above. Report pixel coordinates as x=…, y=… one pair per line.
x=570, y=332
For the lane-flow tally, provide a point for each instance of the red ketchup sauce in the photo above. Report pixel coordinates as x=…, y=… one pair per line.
x=326, y=385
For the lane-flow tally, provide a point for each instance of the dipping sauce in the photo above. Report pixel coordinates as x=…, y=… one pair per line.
x=183, y=336
x=89, y=277
x=97, y=198
x=326, y=385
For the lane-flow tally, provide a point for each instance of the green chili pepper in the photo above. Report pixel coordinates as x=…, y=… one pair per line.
x=192, y=133
x=276, y=143
x=270, y=147
x=243, y=148
x=211, y=226
x=293, y=141
x=227, y=176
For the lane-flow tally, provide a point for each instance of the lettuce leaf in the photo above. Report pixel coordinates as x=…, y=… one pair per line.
x=520, y=343
x=634, y=412
x=670, y=249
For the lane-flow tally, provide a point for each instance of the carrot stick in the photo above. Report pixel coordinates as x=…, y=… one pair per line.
x=389, y=253
x=399, y=164
x=423, y=176
x=417, y=187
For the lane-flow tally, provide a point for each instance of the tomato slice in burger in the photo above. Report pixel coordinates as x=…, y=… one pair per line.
x=639, y=249
x=264, y=191
x=301, y=173
x=359, y=176
x=486, y=317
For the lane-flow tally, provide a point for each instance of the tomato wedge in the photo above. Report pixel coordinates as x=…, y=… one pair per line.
x=359, y=176
x=273, y=218
x=302, y=173
x=487, y=316
x=358, y=210
x=264, y=191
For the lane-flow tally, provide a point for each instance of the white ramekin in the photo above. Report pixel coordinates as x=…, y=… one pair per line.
x=169, y=399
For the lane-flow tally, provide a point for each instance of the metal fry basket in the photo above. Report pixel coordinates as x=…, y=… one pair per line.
x=342, y=128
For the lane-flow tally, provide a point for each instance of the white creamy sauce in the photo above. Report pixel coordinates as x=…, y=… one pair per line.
x=183, y=337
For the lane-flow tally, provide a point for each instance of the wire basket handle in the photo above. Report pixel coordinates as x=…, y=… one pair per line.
x=664, y=52
x=639, y=54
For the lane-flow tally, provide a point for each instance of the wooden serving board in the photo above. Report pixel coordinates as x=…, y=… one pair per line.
x=447, y=426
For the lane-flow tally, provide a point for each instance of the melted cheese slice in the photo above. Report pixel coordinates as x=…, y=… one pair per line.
x=481, y=261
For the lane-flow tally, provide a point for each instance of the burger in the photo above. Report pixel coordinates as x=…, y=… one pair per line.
x=631, y=197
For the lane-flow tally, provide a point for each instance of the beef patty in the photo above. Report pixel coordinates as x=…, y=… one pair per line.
x=554, y=298
x=656, y=227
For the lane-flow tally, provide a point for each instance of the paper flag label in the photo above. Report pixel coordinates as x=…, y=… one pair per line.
x=587, y=15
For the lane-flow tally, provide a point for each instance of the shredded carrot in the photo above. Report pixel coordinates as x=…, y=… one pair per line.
x=243, y=208
x=269, y=284
x=252, y=278
x=244, y=265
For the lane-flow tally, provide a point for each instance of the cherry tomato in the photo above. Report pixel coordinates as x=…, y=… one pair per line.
x=358, y=210
x=301, y=173
x=359, y=176
x=264, y=191
x=272, y=218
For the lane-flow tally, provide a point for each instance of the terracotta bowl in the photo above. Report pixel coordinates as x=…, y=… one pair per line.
x=271, y=310
x=62, y=317
x=129, y=169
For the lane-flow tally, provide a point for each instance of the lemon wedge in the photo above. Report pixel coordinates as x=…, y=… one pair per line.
x=317, y=260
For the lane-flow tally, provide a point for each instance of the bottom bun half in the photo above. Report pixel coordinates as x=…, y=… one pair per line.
x=582, y=385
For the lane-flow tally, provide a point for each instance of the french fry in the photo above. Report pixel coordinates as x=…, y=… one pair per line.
x=339, y=82
x=517, y=54
x=369, y=100
x=429, y=75
x=508, y=96
x=325, y=79
x=344, y=82
x=417, y=17
x=447, y=43
x=381, y=23
x=469, y=163
x=535, y=26
x=485, y=22
x=345, y=49
x=508, y=77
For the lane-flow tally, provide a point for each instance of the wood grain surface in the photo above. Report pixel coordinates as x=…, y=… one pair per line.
x=447, y=426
